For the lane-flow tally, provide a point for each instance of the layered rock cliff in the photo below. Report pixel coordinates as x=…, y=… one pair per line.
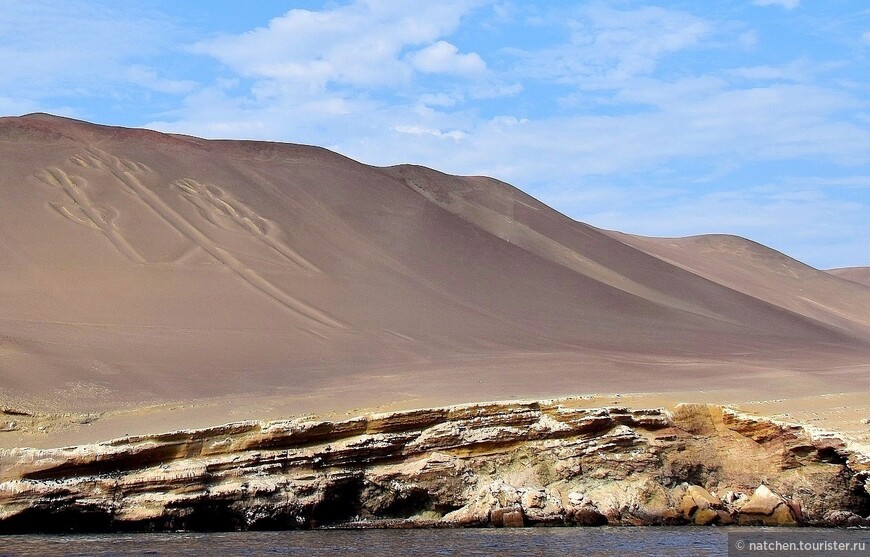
x=500, y=464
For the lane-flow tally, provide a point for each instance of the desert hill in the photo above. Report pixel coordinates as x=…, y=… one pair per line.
x=138, y=267
x=860, y=275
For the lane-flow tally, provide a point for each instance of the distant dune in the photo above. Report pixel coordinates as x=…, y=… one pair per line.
x=861, y=275
x=141, y=268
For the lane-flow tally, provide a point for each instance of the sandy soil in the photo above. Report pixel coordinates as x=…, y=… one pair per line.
x=151, y=282
x=847, y=413
x=859, y=275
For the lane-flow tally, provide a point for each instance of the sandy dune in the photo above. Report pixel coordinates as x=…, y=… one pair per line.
x=860, y=275
x=139, y=269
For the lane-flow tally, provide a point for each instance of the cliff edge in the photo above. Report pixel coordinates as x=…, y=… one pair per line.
x=495, y=464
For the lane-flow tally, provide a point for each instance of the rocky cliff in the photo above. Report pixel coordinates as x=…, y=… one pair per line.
x=499, y=464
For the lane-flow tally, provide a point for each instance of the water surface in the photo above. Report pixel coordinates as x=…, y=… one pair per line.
x=558, y=542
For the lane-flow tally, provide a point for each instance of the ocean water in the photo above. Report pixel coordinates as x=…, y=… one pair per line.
x=556, y=542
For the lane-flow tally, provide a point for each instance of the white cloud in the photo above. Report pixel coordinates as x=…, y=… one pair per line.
x=800, y=70
x=787, y=4
x=455, y=135
x=383, y=63
x=443, y=57
x=359, y=44
x=10, y=105
x=495, y=90
x=439, y=99
x=505, y=11
x=148, y=77
x=607, y=47
x=748, y=39
x=52, y=48
x=865, y=37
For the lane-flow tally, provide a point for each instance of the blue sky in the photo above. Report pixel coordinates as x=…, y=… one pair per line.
x=663, y=118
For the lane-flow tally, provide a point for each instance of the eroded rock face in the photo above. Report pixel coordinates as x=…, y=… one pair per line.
x=498, y=464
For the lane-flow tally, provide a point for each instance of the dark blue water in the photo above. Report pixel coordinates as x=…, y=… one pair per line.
x=557, y=542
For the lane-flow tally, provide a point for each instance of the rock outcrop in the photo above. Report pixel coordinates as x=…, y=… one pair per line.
x=498, y=464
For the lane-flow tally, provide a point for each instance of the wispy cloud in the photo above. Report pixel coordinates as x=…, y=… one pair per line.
x=379, y=63
x=358, y=44
x=443, y=57
x=606, y=47
x=57, y=54
x=149, y=78
x=787, y=4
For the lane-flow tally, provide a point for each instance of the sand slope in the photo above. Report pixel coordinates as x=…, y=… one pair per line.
x=860, y=275
x=138, y=268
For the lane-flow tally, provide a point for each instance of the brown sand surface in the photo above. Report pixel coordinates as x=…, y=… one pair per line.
x=860, y=275
x=151, y=282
